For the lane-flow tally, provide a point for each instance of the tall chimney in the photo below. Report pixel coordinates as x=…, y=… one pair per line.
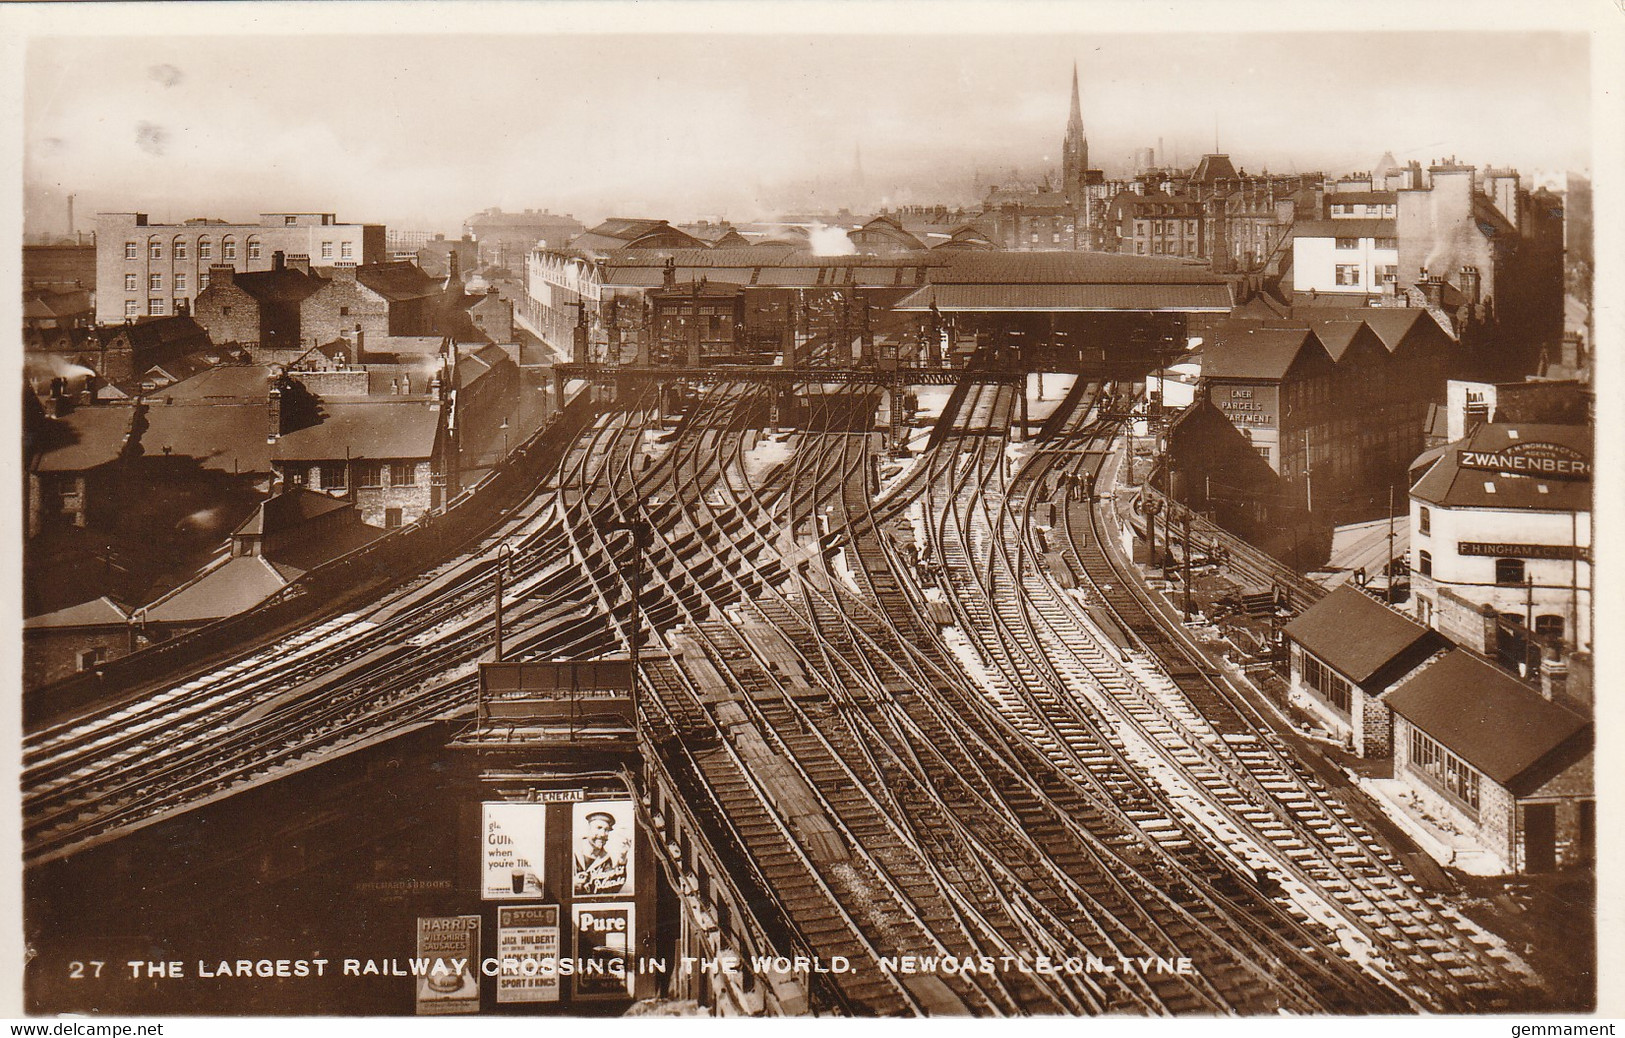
x=279, y=260
x=70, y=216
x=274, y=428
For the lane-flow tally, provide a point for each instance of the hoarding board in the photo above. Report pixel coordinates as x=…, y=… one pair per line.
x=601, y=849
x=528, y=953
x=603, y=938
x=512, y=842
x=447, y=965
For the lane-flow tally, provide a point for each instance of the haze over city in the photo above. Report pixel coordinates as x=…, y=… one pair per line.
x=419, y=131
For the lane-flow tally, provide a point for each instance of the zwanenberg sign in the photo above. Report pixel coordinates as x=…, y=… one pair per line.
x=1534, y=459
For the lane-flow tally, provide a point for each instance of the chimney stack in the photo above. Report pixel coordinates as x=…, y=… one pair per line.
x=299, y=262
x=279, y=260
x=274, y=428
x=222, y=274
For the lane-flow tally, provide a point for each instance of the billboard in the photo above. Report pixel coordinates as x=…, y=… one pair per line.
x=604, y=950
x=512, y=842
x=528, y=953
x=447, y=967
x=601, y=849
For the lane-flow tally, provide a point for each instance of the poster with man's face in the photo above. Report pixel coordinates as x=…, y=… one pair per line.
x=601, y=848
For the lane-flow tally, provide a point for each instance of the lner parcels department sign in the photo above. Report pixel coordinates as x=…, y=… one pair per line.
x=513, y=838
x=528, y=953
x=447, y=965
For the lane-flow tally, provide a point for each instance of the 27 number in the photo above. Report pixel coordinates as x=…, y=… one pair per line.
x=76, y=970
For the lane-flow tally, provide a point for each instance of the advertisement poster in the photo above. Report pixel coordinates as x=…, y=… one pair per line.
x=447, y=964
x=528, y=938
x=603, y=950
x=512, y=841
x=601, y=848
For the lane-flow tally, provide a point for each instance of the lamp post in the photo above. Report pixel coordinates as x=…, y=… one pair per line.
x=504, y=560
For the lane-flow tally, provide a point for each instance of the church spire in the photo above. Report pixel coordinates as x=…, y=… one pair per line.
x=1074, y=124
x=1074, y=149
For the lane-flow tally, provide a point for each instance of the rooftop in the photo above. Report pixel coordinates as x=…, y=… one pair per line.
x=1483, y=715
x=1508, y=469
x=372, y=429
x=1345, y=228
x=1246, y=350
x=86, y=438
x=1355, y=634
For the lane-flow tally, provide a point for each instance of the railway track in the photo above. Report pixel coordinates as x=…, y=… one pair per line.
x=919, y=723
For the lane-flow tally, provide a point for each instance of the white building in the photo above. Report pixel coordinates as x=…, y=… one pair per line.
x=148, y=269
x=1501, y=527
x=1345, y=257
x=556, y=280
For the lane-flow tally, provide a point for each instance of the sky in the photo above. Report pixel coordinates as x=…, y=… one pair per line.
x=418, y=131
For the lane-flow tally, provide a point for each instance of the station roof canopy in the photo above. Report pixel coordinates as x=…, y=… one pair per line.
x=1051, y=282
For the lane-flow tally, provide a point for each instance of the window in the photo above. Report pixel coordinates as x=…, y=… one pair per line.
x=90, y=657
x=203, y=281
x=344, y=311
x=1055, y=239
x=1444, y=770
x=327, y=250
x=155, y=307
x=333, y=475
x=1550, y=627
x=1424, y=520
x=132, y=283
x=369, y=474
x=1424, y=563
x=228, y=248
x=403, y=474
x=1336, y=692
x=1348, y=274
x=205, y=248
x=155, y=282
x=155, y=249
x=1263, y=450
x=1509, y=571
x=1386, y=243
x=180, y=282
x=253, y=248
x=225, y=311
x=298, y=476
x=132, y=308
x=289, y=221
x=346, y=250
x=392, y=518
x=130, y=251
x=1348, y=243
x=180, y=248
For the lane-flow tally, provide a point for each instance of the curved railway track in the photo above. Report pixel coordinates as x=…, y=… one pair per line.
x=1052, y=776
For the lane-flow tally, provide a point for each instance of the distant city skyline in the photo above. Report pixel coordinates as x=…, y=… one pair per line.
x=418, y=132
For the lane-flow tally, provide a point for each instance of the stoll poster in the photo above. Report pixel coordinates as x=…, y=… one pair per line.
x=601, y=849
x=447, y=965
x=528, y=952
x=603, y=950
x=512, y=840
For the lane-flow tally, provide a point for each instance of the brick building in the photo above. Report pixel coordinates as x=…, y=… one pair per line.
x=1498, y=762
x=506, y=239
x=77, y=638
x=1346, y=652
x=379, y=300
x=156, y=270
x=257, y=308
